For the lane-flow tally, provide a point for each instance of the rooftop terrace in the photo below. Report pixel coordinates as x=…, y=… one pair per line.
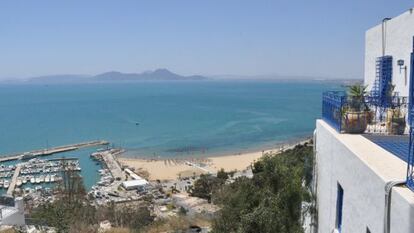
x=383, y=122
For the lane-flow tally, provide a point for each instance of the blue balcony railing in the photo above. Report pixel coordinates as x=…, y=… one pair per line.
x=364, y=115
x=332, y=105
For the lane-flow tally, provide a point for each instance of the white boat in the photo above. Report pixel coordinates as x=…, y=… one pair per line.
x=42, y=179
x=6, y=184
x=32, y=180
x=47, y=179
x=24, y=180
x=52, y=178
x=19, y=182
x=37, y=180
x=38, y=187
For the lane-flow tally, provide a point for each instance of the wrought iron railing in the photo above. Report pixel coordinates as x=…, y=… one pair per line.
x=410, y=161
x=332, y=105
x=364, y=115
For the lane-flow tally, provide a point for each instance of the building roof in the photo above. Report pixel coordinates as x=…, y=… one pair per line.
x=134, y=183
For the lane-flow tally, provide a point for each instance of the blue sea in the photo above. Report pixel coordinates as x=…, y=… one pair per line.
x=159, y=119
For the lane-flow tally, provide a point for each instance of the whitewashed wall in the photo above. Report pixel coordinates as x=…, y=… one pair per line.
x=399, y=44
x=364, y=193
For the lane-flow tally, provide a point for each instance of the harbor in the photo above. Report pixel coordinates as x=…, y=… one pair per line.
x=21, y=174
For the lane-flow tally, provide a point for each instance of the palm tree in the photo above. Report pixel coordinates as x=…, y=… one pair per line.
x=356, y=96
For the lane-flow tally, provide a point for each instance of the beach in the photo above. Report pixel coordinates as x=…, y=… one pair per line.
x=170, y=169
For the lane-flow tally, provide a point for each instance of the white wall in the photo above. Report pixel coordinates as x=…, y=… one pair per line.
x=364, y=193
x=399, y=44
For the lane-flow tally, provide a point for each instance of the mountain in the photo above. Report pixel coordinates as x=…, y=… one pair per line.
x=159, y=74
x=115, y=76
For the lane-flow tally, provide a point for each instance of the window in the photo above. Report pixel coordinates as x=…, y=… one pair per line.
x=339, y=206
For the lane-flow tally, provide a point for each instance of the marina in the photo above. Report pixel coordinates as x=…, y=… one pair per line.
x=42, y=170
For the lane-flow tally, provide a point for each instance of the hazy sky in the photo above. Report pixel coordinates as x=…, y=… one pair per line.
x=315, y=38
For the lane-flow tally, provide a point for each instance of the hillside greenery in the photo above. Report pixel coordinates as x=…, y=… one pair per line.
x=272, y=200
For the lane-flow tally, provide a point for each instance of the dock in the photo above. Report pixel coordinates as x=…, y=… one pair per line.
x=14, y=180
x=53, y=150
x=112, y=164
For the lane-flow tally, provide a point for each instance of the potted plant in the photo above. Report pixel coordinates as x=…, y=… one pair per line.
x=395, y=118
x=356, y=111
x=396, y=124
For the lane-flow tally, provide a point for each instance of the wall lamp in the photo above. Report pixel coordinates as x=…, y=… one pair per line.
x=400, y=63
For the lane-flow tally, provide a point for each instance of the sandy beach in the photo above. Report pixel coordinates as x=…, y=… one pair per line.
x=168, y=169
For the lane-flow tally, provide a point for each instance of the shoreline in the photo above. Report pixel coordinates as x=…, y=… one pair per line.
x=273, y=145
x=172, y=168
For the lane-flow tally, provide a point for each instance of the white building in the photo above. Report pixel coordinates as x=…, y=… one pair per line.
x=137, y=182
x=134, y=184
x=392, y=37
x=355, y=173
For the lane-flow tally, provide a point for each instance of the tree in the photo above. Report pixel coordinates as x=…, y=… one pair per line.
x=204, y=186
x=221, y=174
x=269, y=202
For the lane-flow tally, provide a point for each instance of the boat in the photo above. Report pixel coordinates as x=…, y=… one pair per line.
x=42, y=179
x=37, y=180
x=52, y=178
x=24, y=180
x=19, y=182
x=47, y=178
x=32, y=180
x=38, y=188
x=6, y=184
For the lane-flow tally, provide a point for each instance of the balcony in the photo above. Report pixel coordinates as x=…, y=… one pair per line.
x=365, y=114
x=382, y=121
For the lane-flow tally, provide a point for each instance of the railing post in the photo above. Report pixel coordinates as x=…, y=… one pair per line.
x=410, y=160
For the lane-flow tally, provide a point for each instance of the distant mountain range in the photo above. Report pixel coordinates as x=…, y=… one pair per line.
x=115, y=76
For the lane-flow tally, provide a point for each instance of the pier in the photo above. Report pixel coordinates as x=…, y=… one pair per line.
x=53, y=150
x=14, y=180
x=112, y=164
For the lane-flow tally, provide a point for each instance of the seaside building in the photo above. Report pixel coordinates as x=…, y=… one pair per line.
x=137, y=182
x=363, y=148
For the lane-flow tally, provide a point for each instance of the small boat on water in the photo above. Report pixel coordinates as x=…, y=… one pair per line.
x=37, y=180
x=6, y=184
x=47, y=178
x=33, y=180
x=52, y=178
x=19, y=182
x=42, y=179
x=38, y=188
x=24, y=180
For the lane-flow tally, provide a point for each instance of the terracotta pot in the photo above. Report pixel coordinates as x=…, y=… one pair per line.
x=355, y=122
x=396, y=126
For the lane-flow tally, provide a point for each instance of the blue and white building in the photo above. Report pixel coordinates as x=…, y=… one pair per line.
x=361, y=175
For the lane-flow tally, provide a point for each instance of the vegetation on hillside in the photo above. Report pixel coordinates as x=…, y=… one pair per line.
x=272, y=200
x=269, y=202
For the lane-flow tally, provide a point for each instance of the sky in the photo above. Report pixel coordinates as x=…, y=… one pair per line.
x=320, y=38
